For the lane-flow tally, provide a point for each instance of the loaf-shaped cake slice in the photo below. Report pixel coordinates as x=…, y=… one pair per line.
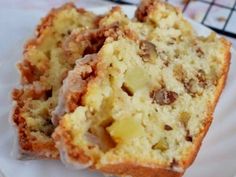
x=42, y=70
x=141, y=106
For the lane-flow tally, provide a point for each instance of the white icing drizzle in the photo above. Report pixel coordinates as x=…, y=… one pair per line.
x=67, y=161
x=72, y=84
x=15, y=153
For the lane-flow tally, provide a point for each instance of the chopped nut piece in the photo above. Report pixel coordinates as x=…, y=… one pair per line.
x=48, y=93
x=202, y=78
x=127, y=90
x=200, y=52
x=148, y=51
x=178, y=72
x=164, y=97
x=168, y=128
x=174, y=163
x=188, y=136
x=194, y=87
x=191, y=87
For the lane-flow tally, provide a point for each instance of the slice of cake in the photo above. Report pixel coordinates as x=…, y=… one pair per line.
x=141, y=106
x=43, y=68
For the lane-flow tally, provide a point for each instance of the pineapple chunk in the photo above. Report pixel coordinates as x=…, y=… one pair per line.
x=125, y=129
x=96, y=94
x=184, y=118
x=161, y=145
x=135, y=79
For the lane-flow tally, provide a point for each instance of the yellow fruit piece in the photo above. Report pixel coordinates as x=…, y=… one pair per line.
x=135, y=79
x=125, y=129
x=184, y=118
x=162, y=145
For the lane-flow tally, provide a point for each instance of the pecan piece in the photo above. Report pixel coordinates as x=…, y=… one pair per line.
x=148, y=51
x=201, y=76
x=179, y=73
x=191, y=87
x=164, y=97
x=199, y=52
x=188, y=137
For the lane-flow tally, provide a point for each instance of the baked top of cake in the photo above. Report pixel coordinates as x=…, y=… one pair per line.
x=141, y=106
x=42, y=70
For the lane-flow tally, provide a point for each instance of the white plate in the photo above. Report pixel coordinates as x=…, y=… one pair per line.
x=217, y=157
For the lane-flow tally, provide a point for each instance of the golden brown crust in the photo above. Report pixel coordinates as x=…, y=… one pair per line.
x=138, y=170
x=48, y=20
